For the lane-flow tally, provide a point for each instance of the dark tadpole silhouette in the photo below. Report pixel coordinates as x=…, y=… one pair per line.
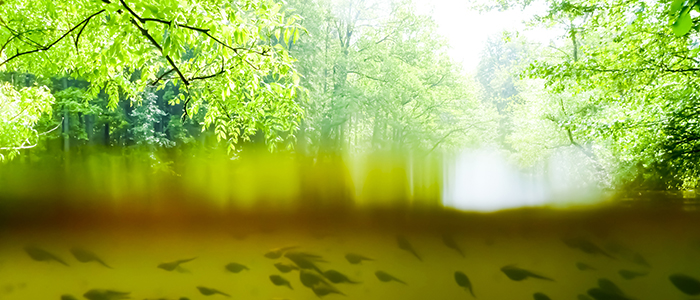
x=356, y=259
x=518, y=274
x=305, y=260
x=280, y=281
x=385, y=277
x=277, y=252
x=68, y=297
x=607, y=290
x=686, y=284
x=583, y=297
x=540, y=296
x=640, y=260
x=629, y=274
x=609, y=286
x=209, y=291
x=584, y=266
x=627, y=254
x=85, y=256
x=337, y=277
x=102, y=294
x=324, y=289
x=285, y=268
x=39, y=254
x=463, y=281
x=317, y=283
x=304, y=255
x=405, y=245
x=170, y=266
x=310, y=278
x=585, y=246
x=601, y=294
x=452, y=244
x=235, y=267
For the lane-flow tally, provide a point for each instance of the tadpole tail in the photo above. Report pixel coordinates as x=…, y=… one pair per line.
x=541, y=277
x=59, y=260
x=103, y=263
x=607, y=254
x=460, y=252
x=416, y=254
x=471, y=291
x=222, y=293
x=182, y=261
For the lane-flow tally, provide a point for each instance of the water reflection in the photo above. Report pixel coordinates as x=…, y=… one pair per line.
x=484, y=181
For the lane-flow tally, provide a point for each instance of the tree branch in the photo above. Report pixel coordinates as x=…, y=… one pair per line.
x=44, y=48
x=18, y=34
x=205, y=31
x=184, y=105
x=23, y=146
x=154, y=42
x=445, y=138
x=77, y=37
x=7, y=43
x=367, y=76
x=162, y=76
x=222, y=71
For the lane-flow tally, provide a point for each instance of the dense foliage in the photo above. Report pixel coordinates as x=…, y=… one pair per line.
x=379, y=77
x=222, y=56
x=618, y=89
x=374, y=75
x=620, y=85
x=20, y=111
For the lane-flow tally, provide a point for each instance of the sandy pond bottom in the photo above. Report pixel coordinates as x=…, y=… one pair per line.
x=653, y=242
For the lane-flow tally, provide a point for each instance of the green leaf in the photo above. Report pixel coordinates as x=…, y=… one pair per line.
x=237, y=37
x=676, y=6
x=113, y=7
x=152, y=8
x=682, y=24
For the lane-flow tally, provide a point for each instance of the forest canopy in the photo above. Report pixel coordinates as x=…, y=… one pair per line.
x=617, y=90
x=223, y=56
x=620, y=85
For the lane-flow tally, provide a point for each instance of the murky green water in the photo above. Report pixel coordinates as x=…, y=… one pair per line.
x=135, y=217
x=650, y=241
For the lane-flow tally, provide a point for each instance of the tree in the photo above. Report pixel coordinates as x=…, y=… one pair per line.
x=20, y=111
x=379, y=78
x=220, y=53
x=625, y=85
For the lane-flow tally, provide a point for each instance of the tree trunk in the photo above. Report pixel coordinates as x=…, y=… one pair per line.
x=66, y=130
x=106, y=134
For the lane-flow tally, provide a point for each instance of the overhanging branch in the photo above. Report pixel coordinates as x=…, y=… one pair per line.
x=84, y=22
x=154, y=42
x=162, y=76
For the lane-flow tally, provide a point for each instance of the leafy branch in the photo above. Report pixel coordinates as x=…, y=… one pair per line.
x=27, y=144
x=154, y=42
x=44, y=48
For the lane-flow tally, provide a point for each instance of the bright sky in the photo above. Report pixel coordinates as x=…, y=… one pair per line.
x=468, y=30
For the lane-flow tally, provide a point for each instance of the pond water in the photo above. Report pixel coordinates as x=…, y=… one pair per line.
x=104, y=228
x=637, y=249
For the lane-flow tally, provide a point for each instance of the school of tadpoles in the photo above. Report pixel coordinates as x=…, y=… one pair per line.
x=289, y=260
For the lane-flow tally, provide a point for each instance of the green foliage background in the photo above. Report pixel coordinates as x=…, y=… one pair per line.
x=618, y=89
